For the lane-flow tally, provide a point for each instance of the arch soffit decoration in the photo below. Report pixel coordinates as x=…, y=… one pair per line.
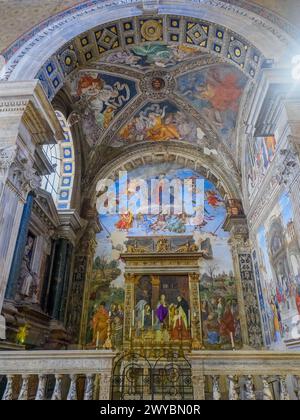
x=225, y=177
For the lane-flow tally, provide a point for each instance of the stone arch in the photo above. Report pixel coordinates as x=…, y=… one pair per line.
x=38, y=45
x=191, y=157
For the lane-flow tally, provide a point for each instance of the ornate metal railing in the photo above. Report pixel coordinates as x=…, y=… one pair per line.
x=56, y=375
x=216, y=375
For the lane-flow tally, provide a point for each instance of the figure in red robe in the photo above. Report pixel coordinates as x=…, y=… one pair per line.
x=298, y=302
x=213, y=199
x=180, y=325
x=227, y=323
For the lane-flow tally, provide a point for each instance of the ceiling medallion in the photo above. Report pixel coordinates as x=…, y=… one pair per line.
x=151, y=30
x=157, y=84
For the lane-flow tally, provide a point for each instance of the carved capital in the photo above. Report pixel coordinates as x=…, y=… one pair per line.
x=7, y=156
x=194, y=277
x=130, y=278
x=238, y=228
x=22, y=177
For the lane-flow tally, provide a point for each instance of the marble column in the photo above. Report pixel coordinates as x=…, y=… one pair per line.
x=19, y=249
x=66, y=285
x=59, y=279
x=129, y=321
x=21, y=179
x=198, y=380
x=27, y=121
x=105, y=385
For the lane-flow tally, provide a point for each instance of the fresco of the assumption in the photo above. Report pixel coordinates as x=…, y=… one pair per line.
x=152, y=55
x=216, y=92
x=158, y=122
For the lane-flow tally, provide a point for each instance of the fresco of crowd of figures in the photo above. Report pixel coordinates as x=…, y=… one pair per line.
x=220, y=314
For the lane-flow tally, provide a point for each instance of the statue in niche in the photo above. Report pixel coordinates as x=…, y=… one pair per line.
x=28, y=283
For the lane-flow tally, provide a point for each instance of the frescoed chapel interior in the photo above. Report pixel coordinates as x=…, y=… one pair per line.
x=112, y=115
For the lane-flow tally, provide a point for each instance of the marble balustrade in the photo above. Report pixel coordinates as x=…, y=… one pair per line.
x=216, y=375
x=56, y=375
x=246, y=375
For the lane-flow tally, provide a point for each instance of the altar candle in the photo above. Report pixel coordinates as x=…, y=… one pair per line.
x=132, y=321
x=97, y=340
x=143, y=317
x=189, y=317
x=232, y=341
x=152, y=317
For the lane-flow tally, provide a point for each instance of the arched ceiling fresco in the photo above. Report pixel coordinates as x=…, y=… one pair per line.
x=154, y=79
x=140, y=44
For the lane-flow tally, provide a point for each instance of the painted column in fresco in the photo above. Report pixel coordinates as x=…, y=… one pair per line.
x=129, y=321
x=87, y=250
x=196, y=323
x=75, y=303
x=262, y=303
x=155, y=281
x=19, y=249
x=250, y=300
x=237, y=226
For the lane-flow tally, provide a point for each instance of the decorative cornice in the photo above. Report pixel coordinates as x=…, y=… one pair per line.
x=70, y=225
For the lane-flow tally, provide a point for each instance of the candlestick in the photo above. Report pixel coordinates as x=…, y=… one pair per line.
x=232, y=341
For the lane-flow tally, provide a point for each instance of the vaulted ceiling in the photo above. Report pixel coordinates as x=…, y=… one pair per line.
x=153, y=80
x=146, y=79
x=19, y=16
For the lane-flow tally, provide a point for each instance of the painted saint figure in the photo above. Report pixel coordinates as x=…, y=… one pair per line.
x=125, y=221
x=180, y=325
x=99, y=324
x=162, y=309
